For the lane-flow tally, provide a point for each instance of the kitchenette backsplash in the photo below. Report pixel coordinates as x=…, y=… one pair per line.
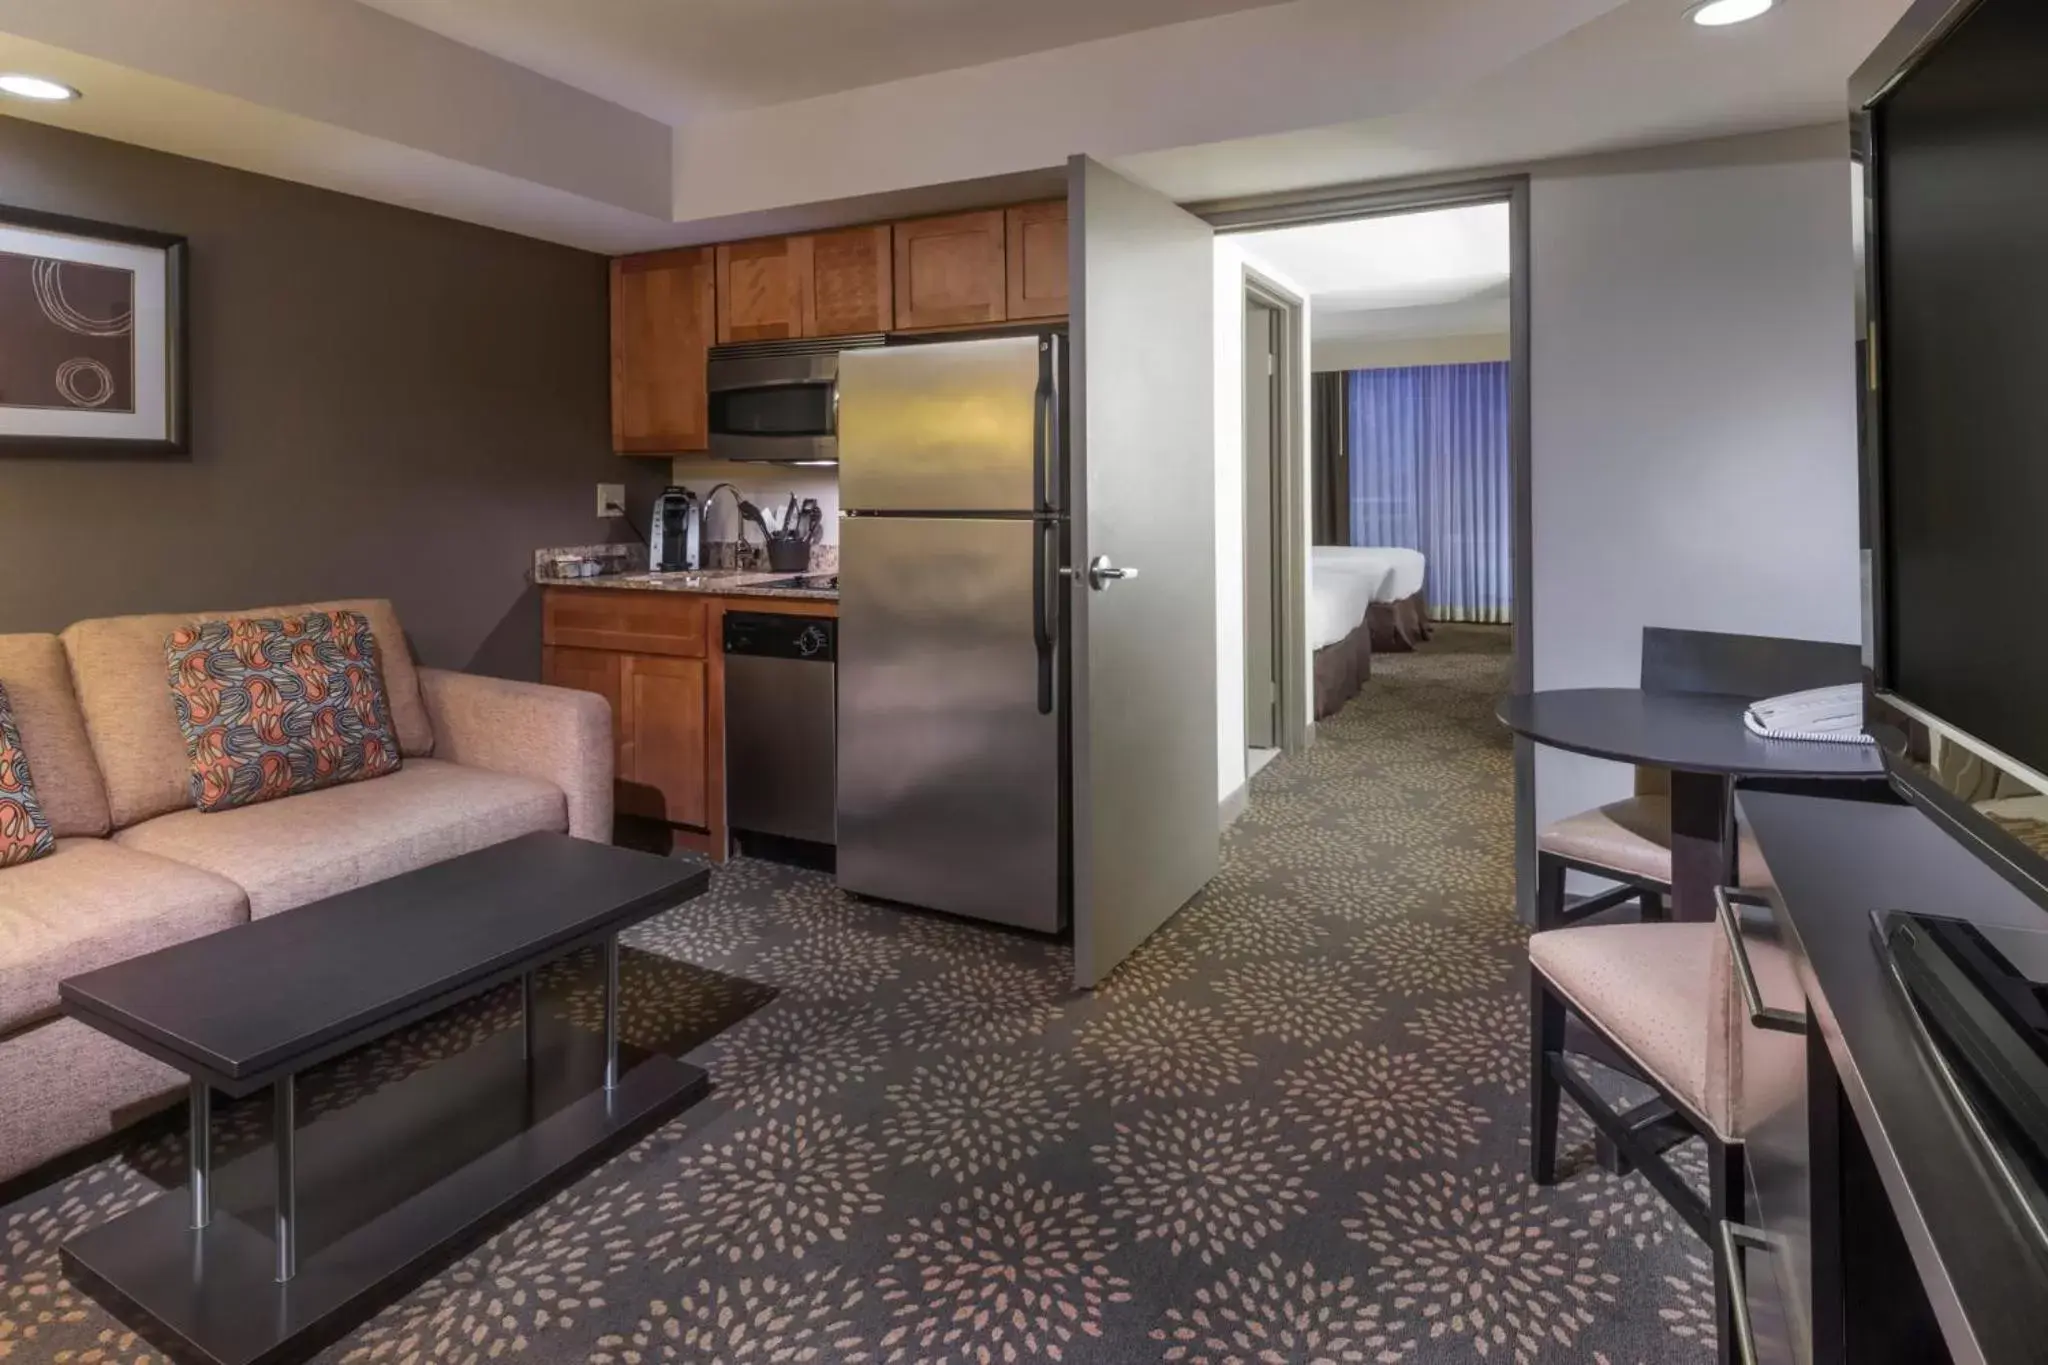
x=768, y=487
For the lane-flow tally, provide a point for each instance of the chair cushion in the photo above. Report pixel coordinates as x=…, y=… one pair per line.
x=1649, y=987
x=24, y=831
x=1663, y=993
x=90, y=904
x=1634, y=836
x=303, y=848
x=117, y=663
x=38, y=683
x=277, y=706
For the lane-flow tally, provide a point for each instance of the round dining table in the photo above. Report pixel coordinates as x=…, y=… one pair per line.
x=1700, y=739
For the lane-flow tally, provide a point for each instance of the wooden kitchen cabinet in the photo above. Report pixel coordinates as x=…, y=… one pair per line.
x=950, y=271
x=663, y=319
x=1035, y=258
x=761, y=289
x=662, y=741
x=820, y=284
x=851, y=282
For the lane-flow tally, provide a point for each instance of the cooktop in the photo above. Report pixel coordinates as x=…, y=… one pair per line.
x=808, y=582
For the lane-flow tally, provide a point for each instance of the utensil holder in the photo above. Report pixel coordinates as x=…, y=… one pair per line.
x=787, y=553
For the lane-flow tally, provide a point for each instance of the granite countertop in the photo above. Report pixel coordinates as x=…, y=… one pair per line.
x=710, y=582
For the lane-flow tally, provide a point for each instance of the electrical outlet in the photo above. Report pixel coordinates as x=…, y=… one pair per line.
x=611, y=499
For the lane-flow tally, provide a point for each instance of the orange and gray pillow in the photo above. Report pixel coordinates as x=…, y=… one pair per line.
x=24, y=832
x=273, y=707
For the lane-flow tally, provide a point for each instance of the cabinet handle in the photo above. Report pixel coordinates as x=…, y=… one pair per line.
x=1734, y=1237
x=1760, y=1015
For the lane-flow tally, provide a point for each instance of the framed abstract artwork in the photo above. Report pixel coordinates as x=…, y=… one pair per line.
x=92, y=336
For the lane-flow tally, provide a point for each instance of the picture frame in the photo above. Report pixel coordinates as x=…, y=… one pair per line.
x=92, y=337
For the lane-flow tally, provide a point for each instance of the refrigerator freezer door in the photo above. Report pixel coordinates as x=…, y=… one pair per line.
x=951, y=426
x=949, y=772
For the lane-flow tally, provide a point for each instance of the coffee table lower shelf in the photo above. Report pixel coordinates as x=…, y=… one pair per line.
x=430, y=1151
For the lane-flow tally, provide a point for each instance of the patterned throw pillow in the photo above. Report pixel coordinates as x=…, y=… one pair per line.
x=24, y=833
x=273, y=707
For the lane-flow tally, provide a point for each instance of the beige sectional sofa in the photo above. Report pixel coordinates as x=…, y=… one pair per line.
x=136, y=868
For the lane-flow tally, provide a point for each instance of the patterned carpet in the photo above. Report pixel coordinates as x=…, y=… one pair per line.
x=1290, y=1129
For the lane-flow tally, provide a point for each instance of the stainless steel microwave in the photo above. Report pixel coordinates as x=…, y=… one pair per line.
x=779, y=400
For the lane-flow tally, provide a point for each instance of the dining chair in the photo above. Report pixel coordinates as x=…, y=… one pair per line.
x=1628, y=842
x=1673, y=1000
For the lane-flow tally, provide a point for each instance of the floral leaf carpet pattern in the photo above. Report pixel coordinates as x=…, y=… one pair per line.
x=1290, y=1129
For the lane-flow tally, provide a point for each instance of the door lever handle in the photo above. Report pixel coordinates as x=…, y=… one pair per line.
x=1101, y=573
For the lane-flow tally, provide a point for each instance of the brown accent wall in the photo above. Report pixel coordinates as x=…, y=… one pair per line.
x=384, y=403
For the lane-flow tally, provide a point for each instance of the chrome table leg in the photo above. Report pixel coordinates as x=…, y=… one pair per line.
x=285, y=1095
x=199, y=1153
x=611, y=1012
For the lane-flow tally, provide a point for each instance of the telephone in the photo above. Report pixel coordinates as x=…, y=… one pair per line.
x=1831, y=714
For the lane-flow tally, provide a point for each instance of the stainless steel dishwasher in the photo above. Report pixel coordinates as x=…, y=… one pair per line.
x=780, y=724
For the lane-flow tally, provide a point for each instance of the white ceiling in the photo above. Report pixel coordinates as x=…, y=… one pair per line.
x=624, y=124
x=1634, y=76
x=678, y=60
x=1444, y=272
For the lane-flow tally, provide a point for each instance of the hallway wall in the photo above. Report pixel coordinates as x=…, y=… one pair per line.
x=1694, y=388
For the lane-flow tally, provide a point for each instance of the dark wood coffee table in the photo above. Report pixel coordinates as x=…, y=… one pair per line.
x=287, y=1249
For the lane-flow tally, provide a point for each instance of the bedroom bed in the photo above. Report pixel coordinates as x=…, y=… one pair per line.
x=1340, y=601
x=1398, y=617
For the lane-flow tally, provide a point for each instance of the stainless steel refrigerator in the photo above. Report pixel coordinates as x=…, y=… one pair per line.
x=952, y=789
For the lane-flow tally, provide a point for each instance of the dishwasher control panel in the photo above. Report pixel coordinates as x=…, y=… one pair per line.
x=777, y=635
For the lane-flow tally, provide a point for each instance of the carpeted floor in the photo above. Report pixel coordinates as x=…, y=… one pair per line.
x=1291, y=1128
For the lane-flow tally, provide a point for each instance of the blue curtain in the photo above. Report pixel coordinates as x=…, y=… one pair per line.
x=1429, y=472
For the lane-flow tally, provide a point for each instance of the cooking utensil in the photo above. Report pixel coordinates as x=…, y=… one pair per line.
x=749, y=512
x=814, y=521
x=789, y=516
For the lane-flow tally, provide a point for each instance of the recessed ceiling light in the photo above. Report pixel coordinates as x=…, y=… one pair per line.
x=1721, y=13
x=34, y=88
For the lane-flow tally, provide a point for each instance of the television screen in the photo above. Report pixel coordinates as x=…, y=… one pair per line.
x=1960, y=177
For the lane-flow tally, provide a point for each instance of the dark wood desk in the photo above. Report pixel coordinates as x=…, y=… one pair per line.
x=1892, y=1239
x=1700, y=739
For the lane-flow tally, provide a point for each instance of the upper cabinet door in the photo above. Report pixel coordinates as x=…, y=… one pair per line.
x=662, y=321
x=850, y=279
x=1038, y=260
x=761, y=289
x=949, y=271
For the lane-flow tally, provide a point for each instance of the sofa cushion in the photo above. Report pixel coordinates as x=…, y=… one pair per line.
x=286, y=853
x=118, y=665
x=24, y=832
x=274, y=707
x=38, y=683
x=90, y=904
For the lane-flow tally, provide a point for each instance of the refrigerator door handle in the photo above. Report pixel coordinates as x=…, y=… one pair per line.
x=1045, y=554
x=1045, y=436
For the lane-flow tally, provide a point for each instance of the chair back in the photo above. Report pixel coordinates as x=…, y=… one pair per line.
x=1750, y=666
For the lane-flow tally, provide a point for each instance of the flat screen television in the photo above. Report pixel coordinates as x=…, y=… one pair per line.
x=1951, y=128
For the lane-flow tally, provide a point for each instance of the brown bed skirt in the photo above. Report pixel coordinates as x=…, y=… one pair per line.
x=1341, y=670
x=1398, y=626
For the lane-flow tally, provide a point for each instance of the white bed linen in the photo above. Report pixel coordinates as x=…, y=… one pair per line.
x=1338, y=595
x=1403, y=569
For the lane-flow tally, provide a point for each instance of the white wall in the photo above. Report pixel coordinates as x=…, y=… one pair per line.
x=1694, y=444
x=1379, y=353
x=767, y=486
x=1231, y=259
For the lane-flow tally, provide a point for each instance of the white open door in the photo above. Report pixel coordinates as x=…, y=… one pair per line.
x=1143, y=417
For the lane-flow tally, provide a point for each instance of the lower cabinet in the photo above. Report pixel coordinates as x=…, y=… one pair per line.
x=662, y=732
x=659, y=727
x=656, y=658
x=649, y=655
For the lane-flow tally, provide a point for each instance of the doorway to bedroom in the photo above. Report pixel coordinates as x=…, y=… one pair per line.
x=1408, y=418
x=1402, y=485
